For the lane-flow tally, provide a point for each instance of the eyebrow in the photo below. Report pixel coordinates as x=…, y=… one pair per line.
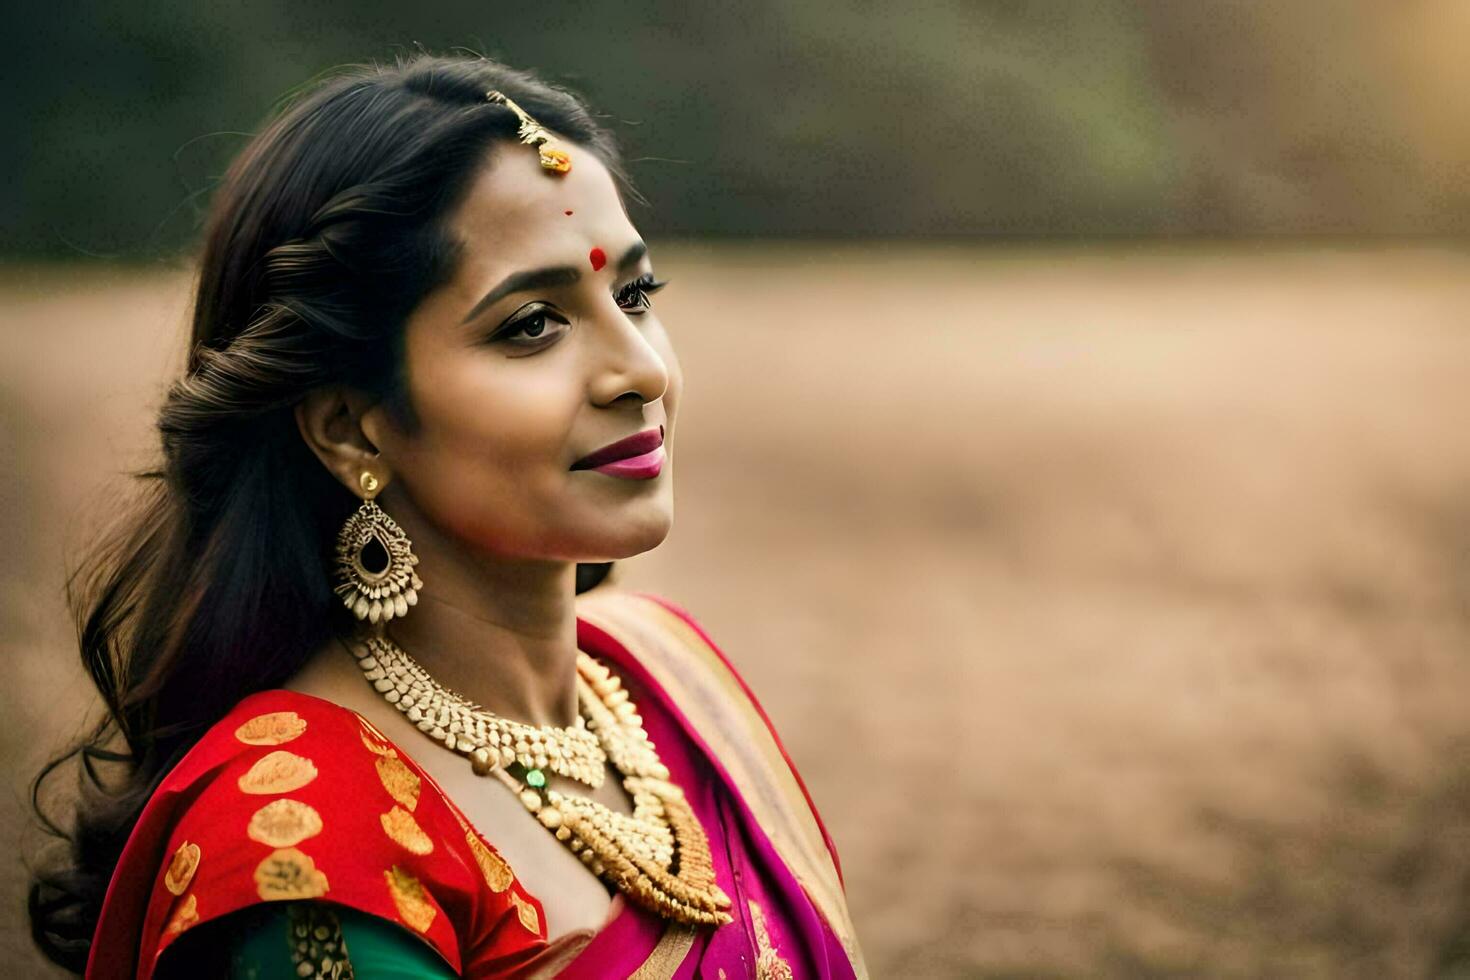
x=548, y=278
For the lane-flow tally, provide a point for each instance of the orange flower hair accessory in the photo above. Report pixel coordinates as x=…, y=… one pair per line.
x=532, y=134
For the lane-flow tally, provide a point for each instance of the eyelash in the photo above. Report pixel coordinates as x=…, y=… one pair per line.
x=633, y=298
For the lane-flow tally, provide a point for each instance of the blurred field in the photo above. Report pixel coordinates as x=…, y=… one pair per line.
x=1115, y=604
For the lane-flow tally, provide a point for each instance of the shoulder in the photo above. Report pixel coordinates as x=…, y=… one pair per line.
x=709, y=691
x=648, y=623
x=292, y=797
x=664, y=637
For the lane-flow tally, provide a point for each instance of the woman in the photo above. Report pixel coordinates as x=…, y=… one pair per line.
x=377, y=720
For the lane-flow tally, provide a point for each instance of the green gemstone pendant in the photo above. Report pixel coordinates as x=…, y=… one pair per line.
x=536, y=778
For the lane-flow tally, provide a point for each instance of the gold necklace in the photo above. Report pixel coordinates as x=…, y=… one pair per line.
x=634, y=853
x=464, y=727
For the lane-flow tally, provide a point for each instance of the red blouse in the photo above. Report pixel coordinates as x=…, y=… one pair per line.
x=291, y=796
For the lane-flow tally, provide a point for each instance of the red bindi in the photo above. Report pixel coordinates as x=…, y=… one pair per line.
x=567, y=213
x=598, y=258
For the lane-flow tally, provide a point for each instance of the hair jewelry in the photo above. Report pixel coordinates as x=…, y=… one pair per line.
x=532, y=134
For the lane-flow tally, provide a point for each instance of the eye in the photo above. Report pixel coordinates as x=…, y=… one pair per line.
x=633, y=298
x=531, y=325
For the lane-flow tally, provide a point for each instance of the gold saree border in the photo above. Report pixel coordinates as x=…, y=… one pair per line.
x=669, y=954
x=711, y=697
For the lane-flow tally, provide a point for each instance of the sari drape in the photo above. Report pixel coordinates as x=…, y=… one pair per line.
x=291, y=796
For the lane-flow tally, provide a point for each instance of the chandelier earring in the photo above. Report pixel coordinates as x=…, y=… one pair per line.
x=375, y=563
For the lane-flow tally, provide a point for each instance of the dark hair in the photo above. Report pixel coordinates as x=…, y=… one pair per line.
x=326, y=232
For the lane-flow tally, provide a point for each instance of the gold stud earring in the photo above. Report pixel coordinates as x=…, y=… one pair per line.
x=375, y=561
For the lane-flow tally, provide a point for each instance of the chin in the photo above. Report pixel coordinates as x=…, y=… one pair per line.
x=626, y=537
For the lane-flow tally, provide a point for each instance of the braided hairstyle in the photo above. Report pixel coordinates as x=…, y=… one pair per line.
x=326, y=232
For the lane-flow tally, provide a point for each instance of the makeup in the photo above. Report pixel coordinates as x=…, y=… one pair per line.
x=638, y=457
x=644, y=467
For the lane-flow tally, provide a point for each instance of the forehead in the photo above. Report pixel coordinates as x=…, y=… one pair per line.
x=514, y=213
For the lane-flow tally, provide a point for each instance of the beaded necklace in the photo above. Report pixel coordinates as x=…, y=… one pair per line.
x=658, y=856
x=463, y=726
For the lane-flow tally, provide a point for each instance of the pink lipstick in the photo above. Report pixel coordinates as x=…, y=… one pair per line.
x=638, y=457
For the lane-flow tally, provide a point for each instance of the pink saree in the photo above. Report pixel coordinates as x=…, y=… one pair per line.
x=188, y=862
x=770, y=845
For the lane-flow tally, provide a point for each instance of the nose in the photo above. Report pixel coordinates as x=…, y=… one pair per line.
x=626, y=362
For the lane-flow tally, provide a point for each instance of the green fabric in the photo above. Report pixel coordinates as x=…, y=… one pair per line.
x=254, y=944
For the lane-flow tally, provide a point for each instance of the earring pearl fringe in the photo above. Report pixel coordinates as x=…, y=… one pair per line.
x=375, y=594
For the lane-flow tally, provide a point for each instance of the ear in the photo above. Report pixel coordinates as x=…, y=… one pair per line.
x=330, y=420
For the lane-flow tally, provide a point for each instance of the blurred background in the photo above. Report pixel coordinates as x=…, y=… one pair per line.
x=1074, y=447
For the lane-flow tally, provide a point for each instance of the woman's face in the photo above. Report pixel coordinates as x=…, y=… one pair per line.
x=542, y=349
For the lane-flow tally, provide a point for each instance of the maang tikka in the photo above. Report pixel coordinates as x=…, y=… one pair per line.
x=534, y=134
x=375, y=563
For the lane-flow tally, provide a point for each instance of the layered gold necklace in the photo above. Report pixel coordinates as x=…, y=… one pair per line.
x=658, y=856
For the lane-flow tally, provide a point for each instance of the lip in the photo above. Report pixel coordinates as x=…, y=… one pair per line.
x=641, y=447
x=644, y=467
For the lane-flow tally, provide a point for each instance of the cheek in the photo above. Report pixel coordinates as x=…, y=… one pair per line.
x=490, y=448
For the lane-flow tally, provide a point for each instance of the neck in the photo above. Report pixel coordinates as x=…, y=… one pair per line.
x=500, y=631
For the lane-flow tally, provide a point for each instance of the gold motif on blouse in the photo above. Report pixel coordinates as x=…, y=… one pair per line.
x=286, y=874
x=275, y=728
x=410, y=899
x=376, y=741
x=181, y=869
x=376, y=747
x=401, y=782
x=284, y=823
x=527, y=913
x=400, y=825
x=497, y=873
x=185, y=915
x=278, y=772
